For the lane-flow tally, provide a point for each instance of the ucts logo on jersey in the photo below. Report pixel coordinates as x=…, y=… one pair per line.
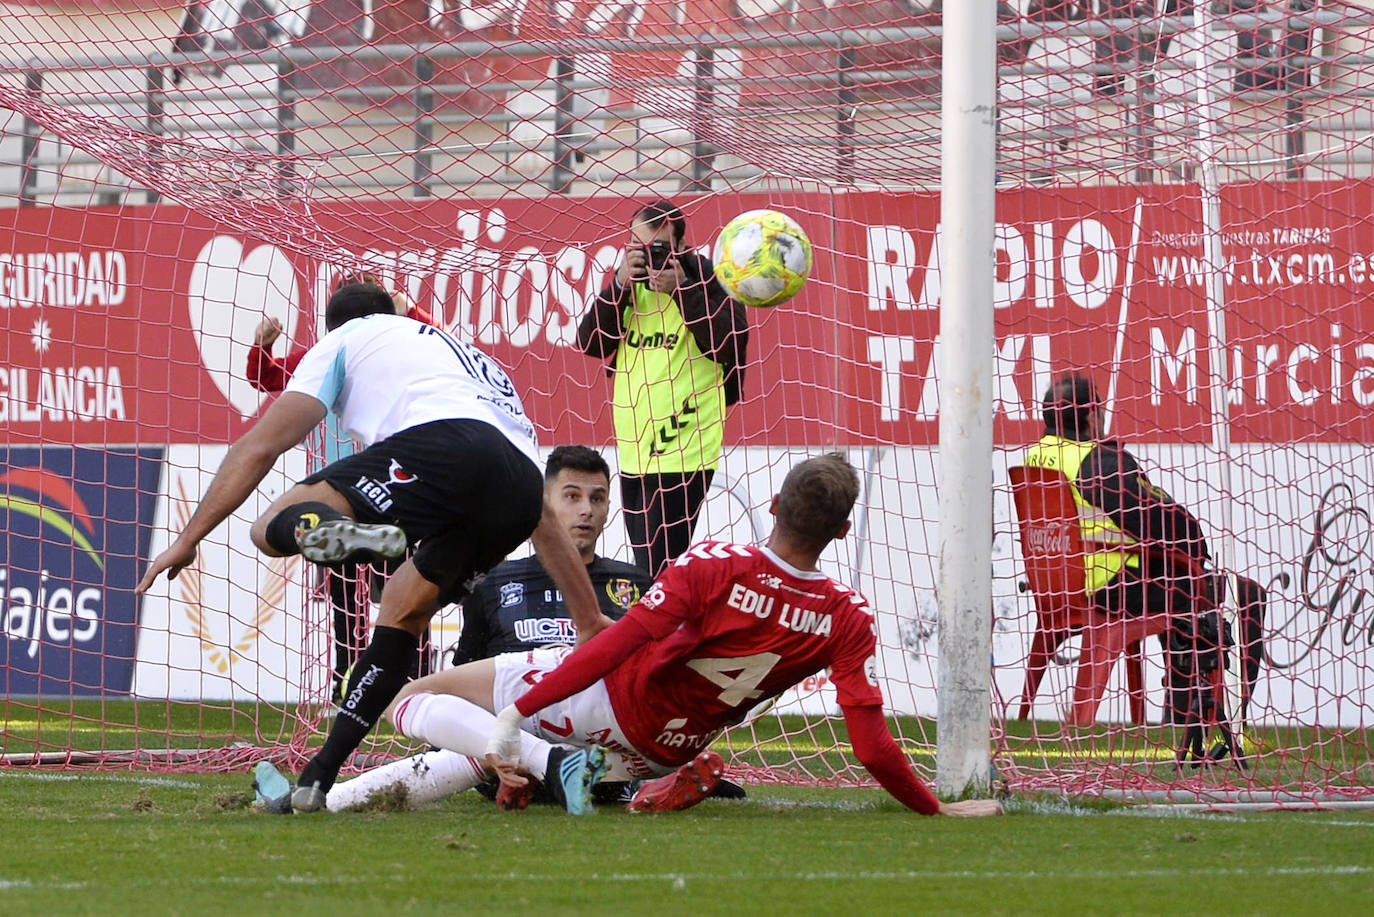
x=77, y=524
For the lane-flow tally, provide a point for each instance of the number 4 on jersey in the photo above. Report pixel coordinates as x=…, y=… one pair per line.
x=738, y=676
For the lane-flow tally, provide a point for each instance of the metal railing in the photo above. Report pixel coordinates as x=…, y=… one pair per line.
x=274, y=111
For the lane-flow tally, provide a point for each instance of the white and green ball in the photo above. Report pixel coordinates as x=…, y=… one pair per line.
x=762, y=257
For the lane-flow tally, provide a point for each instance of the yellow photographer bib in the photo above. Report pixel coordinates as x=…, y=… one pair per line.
x=669, y=399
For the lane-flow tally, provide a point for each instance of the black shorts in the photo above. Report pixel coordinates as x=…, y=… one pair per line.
x=457, y=488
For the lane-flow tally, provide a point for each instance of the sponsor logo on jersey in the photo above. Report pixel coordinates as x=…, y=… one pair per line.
x=398, y=475
x=678, y=422
x=545, y=630
x=712, y=550
x=642, y=341
x=770, y=581
x=671, y=737
x=378, y=493
x=623, y=592
x=512, y=594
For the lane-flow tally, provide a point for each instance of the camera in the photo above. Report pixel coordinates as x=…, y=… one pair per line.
x=658, y=253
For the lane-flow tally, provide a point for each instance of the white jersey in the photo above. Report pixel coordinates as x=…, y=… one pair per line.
x=386, y=373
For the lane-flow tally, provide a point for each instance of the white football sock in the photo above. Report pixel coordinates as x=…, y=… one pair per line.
x=431, y=776
x=461, y=726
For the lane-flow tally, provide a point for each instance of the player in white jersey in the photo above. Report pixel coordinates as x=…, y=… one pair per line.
x=449, y=465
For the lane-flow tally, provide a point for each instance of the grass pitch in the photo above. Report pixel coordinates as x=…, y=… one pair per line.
x=115, y=843
x=122, y=843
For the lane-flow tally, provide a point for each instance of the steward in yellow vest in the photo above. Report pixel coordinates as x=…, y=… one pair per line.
x=1117, y=504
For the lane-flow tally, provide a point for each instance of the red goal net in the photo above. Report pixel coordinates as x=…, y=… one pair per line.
x=177, y=173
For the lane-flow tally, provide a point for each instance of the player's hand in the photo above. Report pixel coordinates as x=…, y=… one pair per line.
x=402, y=302
x=634, y=266
x=508, y=772
x=670, y=278
x=268, y=330
x=176, y=558
x=971, y=808
x=586, y=633
x=503, y=746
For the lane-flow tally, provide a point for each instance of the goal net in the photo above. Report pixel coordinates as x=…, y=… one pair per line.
x=1182, y=208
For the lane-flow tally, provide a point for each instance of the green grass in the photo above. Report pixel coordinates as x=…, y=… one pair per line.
x=1281, y=758
x=125, y=842
x=103, y=844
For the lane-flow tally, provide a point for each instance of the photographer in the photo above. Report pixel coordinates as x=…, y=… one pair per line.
x=676, y=343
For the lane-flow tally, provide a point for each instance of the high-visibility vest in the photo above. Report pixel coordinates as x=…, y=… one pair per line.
x=1068, y=455
x=668, y=402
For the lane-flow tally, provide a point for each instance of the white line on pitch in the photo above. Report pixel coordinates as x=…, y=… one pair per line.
x=676, y=878
x=100, y=778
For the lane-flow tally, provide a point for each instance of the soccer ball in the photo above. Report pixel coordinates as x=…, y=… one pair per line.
x=762, y=257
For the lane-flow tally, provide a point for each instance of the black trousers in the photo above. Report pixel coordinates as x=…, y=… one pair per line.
x=1153, y=590
x=661, y=513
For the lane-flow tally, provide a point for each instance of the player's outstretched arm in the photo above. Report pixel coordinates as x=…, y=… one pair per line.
x=878, y=752
x=590, y=662
x=247, y=462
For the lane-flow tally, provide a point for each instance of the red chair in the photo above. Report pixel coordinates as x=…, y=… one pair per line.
x=1053, y=550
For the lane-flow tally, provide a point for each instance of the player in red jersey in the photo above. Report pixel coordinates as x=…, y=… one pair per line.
x=725, y=628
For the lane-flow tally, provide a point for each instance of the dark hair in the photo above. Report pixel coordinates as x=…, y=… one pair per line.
x=817, y=497
x=578, y=458
x=1069, y=405
x=656, y=213
x=354, y=300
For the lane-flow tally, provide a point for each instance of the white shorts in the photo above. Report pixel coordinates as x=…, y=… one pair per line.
x=584, y=719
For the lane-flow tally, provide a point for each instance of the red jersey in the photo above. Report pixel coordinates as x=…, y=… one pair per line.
x=735, y=625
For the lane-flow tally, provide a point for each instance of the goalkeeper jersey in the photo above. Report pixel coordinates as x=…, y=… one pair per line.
x=518, y=607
